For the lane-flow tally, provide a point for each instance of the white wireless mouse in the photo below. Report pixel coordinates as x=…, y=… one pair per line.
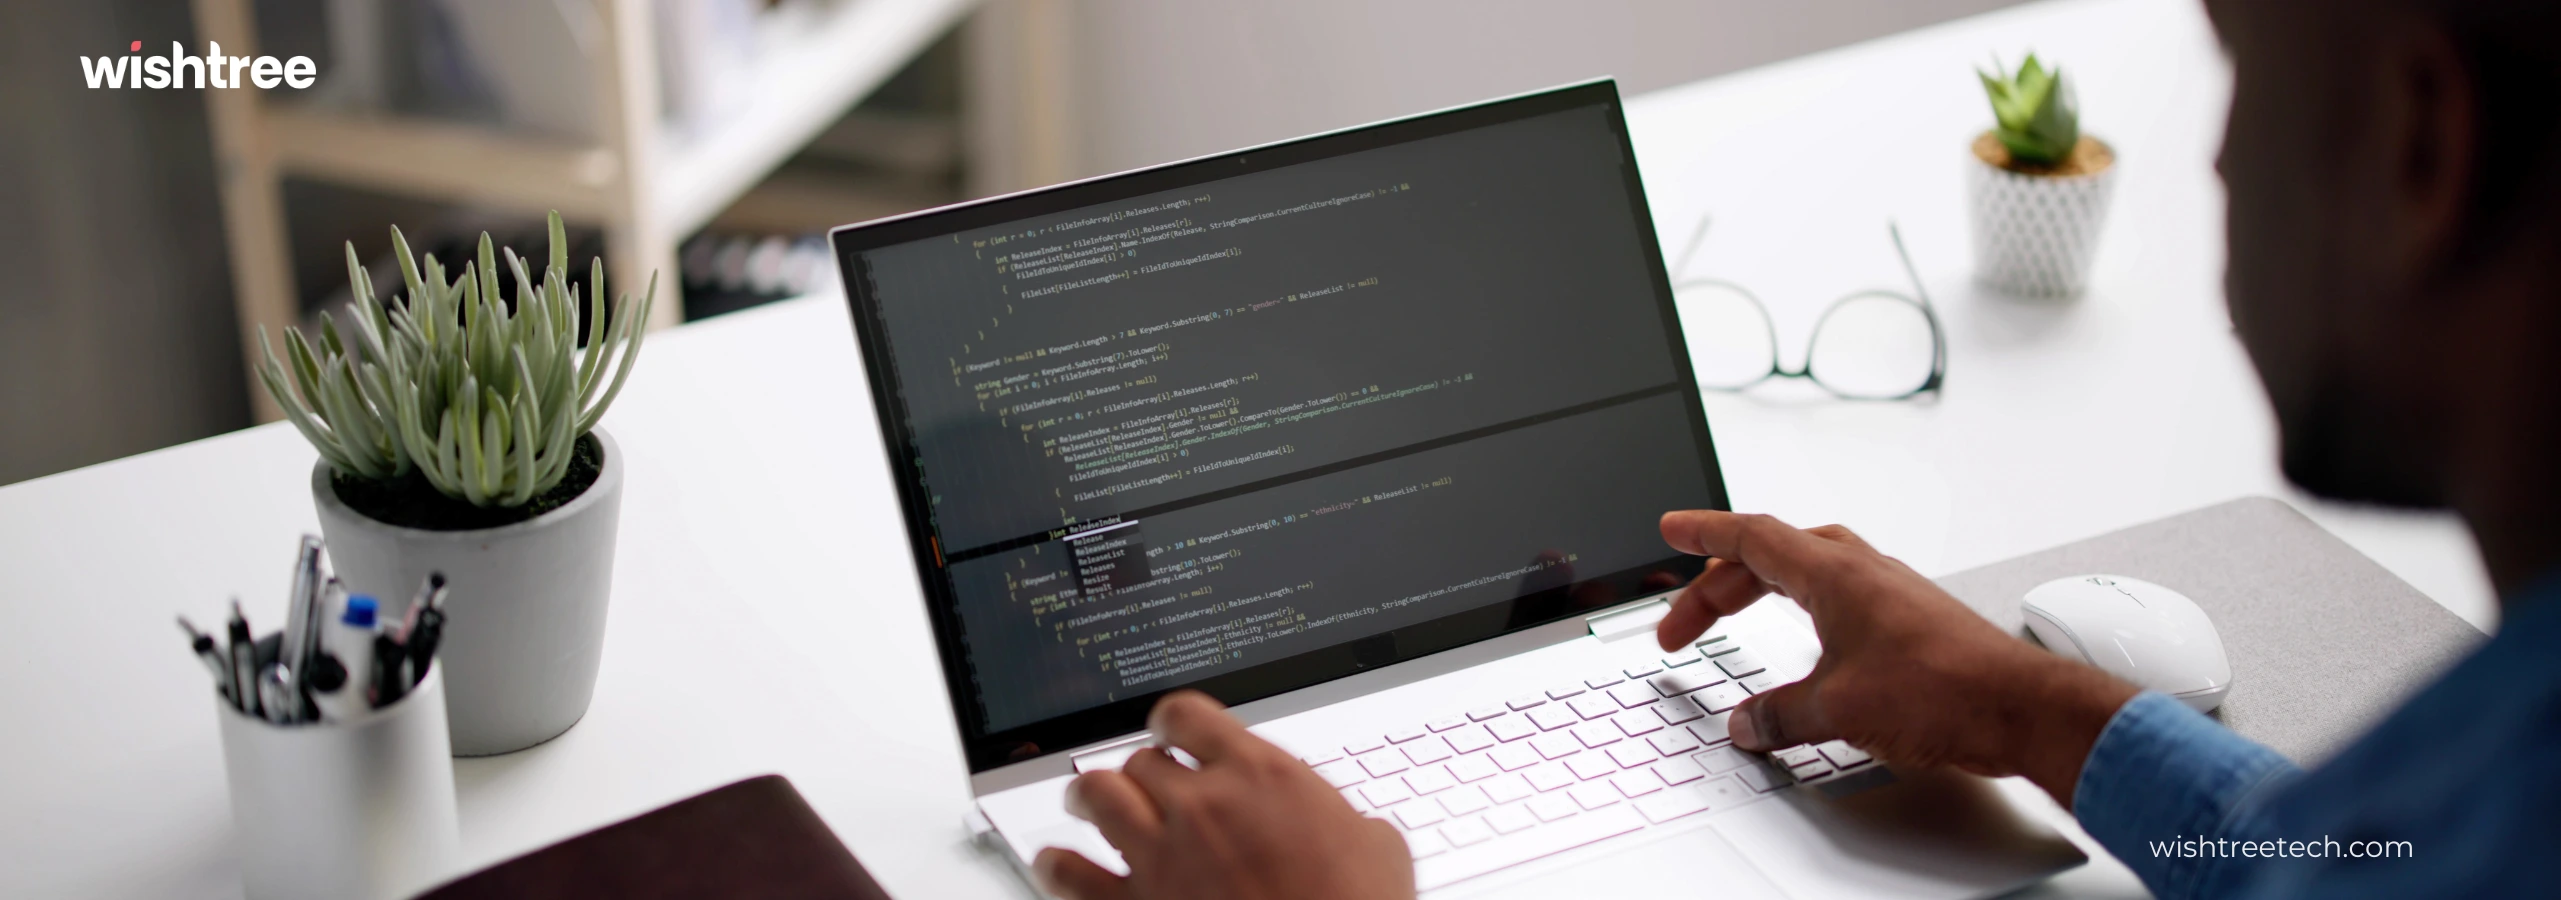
x=2136, y=630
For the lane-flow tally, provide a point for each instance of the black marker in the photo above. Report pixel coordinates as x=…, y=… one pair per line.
x=244, y=662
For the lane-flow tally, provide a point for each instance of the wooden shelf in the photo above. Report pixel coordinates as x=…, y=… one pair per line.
x=647, y=183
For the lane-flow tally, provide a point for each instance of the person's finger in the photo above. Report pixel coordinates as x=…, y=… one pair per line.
x=1784, y=717
x=1781, y=555
x=1167, y=783
x=1200, y=726
x=1118, y=807
x=1723, y=590
x=1069, y=875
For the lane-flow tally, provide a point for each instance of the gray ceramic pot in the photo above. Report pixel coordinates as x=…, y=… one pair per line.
x=525, y=624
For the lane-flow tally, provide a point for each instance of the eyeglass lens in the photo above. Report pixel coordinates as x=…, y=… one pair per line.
x=1872, y=346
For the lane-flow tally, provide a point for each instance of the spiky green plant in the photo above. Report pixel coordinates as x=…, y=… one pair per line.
x=2038, y=119
x=486, y=404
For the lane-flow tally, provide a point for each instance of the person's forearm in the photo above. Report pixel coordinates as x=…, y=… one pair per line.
x=2163, y=776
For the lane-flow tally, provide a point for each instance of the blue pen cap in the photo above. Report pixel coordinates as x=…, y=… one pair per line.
x=360, y=611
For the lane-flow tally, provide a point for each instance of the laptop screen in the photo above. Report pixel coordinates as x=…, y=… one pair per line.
x=1253, y=422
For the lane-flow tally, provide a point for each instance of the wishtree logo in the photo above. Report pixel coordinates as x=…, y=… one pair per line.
x=213, y=69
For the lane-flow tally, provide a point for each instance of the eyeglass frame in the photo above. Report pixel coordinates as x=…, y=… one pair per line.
x=1769, y=323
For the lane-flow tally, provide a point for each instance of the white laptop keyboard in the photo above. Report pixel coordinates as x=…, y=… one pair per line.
x=1514, y=780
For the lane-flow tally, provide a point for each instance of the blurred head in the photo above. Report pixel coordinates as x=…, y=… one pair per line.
x=2392, y=168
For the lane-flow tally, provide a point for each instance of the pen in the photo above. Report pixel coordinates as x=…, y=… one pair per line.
x=244, y=665
x=388, y=660
x=422, y=639
x=427, y=594
x=202, y=643
x=302, y=621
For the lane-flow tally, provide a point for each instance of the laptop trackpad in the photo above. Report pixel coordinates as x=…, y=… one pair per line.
x=1693, y=863
x=1929, y=834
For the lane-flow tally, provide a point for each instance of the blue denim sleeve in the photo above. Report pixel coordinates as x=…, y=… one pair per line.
x=2163, y=773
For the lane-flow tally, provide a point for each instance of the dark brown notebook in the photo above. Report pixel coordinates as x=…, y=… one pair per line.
x=755, y=838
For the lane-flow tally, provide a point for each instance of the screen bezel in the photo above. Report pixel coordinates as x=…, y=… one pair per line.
x=986, y=750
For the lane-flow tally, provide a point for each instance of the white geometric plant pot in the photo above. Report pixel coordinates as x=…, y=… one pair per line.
x=2034, y=235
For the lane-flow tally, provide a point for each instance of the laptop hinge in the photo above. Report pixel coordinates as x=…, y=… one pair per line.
x=1611, y=626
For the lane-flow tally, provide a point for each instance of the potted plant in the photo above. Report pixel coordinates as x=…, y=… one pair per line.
x=457, y=434
x=2040, y=186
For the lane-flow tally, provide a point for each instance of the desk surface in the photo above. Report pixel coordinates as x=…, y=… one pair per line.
x=765, y=618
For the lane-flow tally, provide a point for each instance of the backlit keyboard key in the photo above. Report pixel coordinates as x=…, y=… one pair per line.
x=1594, y=706
x=1673, y=804
x=1385, y=793
x=1842, y=754
x=1550, y=718
x=1469, y=739
x=1633, y=694
x=1513, y=757
x=1427, y=752
x=1635, y=783
x=1364, y=745
x=1464, y=801
x=1322, y=757
x=1796, y=756
x=1419, y=814
x=1511, y=728
x=1717, y=646
x=1679, y=658
x=1429, y=780
x=1525, y=702
x=1590, y=765
x=1740, y=663
x=1596, y=734
x=1508, y=819
x=1642, y=669
x=1762, y=778
x=1722, y=697
x=1632, y=754
x=1815, y=769
x=1445, y=723
x=1598, y=682
x=1760, y=682
x=1341, y=773
x=1483, y=713
x=1383, y=763
x=1563, y=691
x=1402, y=735
x=1556, y=744
x=1679, y=770
x=1507, y=788
x=1722, y=760
x=1636, y=722
x=1425, y=843
x=1682, y=681
x=1549, y=777
x=1466, y=832
x=1675, y=742
x=1472, y=768
x=1552, y=807
x=1678, y=710
x=1710, y=731
x=1593, y=795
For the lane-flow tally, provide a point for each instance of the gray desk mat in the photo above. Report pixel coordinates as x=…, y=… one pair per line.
x=2323, y=641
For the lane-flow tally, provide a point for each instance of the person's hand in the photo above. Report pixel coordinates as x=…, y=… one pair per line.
x=1908, y=673
x=1252, y=822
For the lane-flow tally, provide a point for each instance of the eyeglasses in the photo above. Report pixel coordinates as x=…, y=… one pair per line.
x=1871, y=345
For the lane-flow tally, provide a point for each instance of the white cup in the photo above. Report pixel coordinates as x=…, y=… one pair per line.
x=357, y=809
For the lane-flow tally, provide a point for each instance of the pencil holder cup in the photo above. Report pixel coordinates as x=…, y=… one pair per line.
x=355, y=809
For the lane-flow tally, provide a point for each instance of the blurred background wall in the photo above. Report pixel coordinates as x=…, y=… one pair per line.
x=117, y=315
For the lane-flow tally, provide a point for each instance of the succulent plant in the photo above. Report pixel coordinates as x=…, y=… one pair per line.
x=485, y=403
x=2038, y=119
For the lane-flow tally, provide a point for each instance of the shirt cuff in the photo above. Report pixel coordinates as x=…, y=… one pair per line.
x=2162, y=772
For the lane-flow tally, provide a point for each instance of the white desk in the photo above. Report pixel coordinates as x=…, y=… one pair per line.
x=765, y=616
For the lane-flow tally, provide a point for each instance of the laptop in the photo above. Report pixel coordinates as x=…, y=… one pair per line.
x=1366, y=434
